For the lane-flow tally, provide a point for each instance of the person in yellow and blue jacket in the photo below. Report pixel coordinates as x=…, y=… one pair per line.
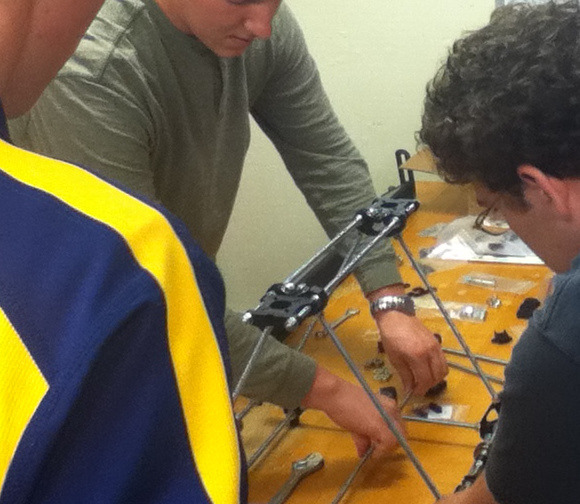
x=113, y=363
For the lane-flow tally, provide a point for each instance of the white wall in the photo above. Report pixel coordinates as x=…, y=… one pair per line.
x=375, y=57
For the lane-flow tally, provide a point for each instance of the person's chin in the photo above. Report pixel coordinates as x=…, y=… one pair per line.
x=232, y=47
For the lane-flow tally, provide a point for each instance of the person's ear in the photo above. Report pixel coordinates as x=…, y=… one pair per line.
x=544, y=191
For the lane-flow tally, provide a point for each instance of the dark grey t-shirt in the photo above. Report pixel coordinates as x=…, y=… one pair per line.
x=535, y=457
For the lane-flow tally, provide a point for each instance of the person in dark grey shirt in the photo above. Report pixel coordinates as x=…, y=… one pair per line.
x=504, y=113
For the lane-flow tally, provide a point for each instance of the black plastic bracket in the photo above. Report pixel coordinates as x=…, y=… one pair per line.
x=285, y=306
x=383, y=212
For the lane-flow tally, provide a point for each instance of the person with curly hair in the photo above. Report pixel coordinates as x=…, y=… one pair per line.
x=503, y=113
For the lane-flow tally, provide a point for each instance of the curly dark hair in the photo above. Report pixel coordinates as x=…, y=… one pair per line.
x=509, y=94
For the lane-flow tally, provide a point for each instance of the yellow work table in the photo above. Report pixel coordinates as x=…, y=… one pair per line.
x=445, y=452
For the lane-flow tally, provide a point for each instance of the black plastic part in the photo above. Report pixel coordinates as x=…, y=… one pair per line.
x=421, y=411
x=487, y=425
x=435, y=408
x=435, y=390
x=386, y=211
x=296, y=420
x=480, y=456
x=419, y=291
x=501, y=338
x=389, y=392
x=527, y=308
x=283, y=301
x=481, y=452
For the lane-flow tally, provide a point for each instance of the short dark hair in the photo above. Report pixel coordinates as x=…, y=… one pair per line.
x=509, y=94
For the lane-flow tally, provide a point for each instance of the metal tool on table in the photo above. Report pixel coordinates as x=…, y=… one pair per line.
x=300, y=469
x=350, y=312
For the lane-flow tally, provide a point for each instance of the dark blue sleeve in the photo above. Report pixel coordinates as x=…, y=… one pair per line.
x=535, y=458
x=124, y=439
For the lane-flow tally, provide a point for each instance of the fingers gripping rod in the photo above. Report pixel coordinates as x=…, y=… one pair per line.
x=484, y=378
x=384, y=414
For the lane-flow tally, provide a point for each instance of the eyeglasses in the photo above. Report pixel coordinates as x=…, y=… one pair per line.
x=491, y=221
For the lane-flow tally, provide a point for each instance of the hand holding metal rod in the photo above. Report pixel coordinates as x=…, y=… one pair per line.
x=382, y=220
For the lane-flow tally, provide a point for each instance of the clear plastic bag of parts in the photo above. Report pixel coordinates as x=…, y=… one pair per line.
x=469, y=312
x=460, y=241
x=432, y=410
x=497, y=283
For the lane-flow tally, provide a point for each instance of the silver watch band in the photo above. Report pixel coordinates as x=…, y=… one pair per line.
x=400, y=303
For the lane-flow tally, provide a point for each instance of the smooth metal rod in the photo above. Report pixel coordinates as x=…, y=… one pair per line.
x=265, y=334
x=466, y=369
x=440, y=421
x=251, y=404
x=348, y=482
x=254, y=402
x=306, y=335
x=350, y=266
x=386, y=417
x=306, y=267
x=479, y=357
x=447, y=318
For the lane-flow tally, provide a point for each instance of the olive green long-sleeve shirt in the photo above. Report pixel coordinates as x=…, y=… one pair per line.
x=153, y=108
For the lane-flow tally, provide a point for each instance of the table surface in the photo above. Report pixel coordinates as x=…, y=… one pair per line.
x=445, y=452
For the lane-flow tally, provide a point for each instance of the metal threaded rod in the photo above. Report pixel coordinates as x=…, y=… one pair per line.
x=348, y=268
x=483, y=358
x=439, y=421
x=265, y=334
x=305, y=268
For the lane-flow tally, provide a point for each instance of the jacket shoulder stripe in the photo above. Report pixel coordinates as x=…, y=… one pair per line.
x=23, y=390
x=153, y=242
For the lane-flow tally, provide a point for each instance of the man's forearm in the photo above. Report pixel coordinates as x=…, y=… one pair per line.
x=324, y=387
x=349, y=406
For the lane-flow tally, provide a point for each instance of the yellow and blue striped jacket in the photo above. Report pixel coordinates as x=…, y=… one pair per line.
x=113, y=366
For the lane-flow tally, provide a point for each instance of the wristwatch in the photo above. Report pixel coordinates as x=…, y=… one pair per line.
x=400, y=303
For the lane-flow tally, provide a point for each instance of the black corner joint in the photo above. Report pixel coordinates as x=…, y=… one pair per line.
x=384, y=212
x=285, y=306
